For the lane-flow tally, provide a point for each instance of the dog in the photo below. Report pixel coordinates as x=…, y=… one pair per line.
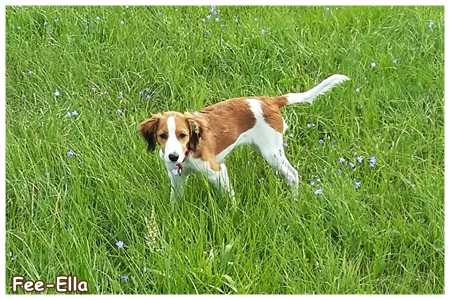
x=198, y=142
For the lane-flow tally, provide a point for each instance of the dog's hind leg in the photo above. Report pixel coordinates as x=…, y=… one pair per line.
x=271, y=148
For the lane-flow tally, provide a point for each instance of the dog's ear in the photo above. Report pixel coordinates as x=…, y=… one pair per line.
x=148, y=128
x=197, y=127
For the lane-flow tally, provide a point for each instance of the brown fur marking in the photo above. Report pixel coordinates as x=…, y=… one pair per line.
x=228, y=120
x=271, y=111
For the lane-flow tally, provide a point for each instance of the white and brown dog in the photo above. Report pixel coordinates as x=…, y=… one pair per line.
x=198, y=142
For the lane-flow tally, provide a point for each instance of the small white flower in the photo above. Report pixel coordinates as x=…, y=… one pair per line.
x=373, y=64
x=358, y=90
x=431, y=24
x=394, y=61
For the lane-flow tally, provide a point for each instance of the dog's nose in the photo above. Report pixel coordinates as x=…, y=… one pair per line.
x=173, y=157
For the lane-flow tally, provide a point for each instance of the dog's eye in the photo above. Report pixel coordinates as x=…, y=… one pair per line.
x=163, y=136
x=182, y=135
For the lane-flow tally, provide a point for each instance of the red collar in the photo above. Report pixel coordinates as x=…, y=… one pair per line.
x=186, y=154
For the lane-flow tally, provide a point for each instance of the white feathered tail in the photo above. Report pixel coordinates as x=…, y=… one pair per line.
x=319, y=89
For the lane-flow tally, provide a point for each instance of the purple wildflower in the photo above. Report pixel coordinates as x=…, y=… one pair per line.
x=119, y=111
x=313, y=182
x=119, y=244
x=285, y=144
x=372, y=161
x=124, y=277
x=342, y=160
x=174, y=172
x=339, y=172
x=57, y=93
x=69, y=153
x=413, y=185
x=291, y=135
x=310, y=125
x=352, y=165
x=357, y=184
x=359, y=159
x=394, y=61
x=318, y=192
x=321, y=141
x=263, y=31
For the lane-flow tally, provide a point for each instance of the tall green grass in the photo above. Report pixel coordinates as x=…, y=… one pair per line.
x=65, y=214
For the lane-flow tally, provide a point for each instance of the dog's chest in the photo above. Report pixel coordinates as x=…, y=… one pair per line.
x=195, y=165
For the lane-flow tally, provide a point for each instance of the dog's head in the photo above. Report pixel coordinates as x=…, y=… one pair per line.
x=176, y=133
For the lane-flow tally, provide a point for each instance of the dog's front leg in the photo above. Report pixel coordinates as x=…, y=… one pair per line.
x=177, y=183
x=222, y=182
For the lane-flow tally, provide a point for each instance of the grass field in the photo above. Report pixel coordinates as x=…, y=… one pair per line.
x=78, y=179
